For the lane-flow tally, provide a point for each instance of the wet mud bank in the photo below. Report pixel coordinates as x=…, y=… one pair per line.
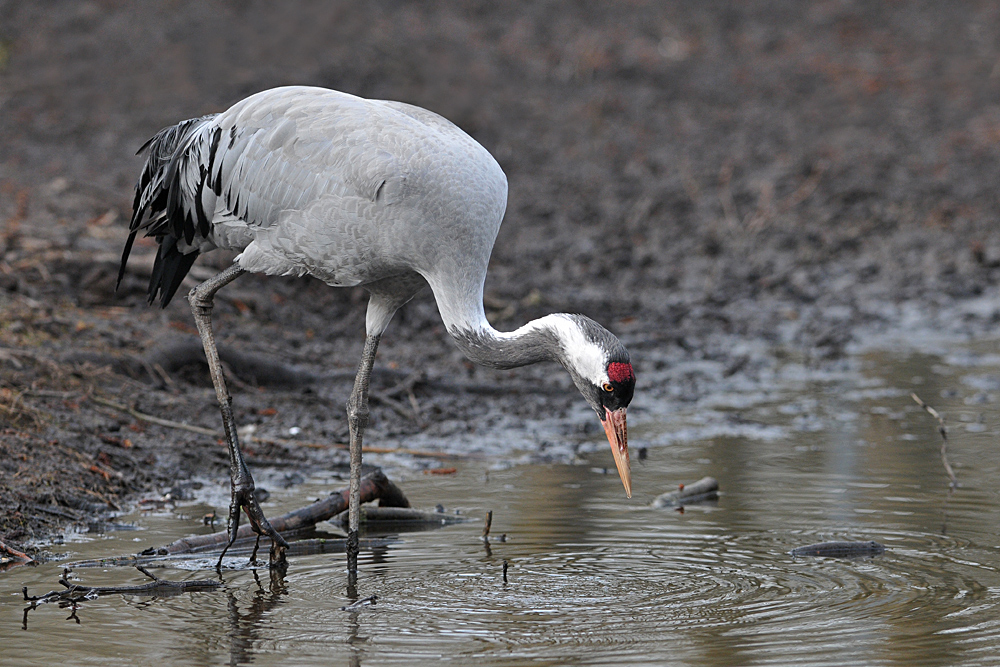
x=720, y=183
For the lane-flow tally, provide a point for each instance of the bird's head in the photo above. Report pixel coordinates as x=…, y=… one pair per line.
x=600, y=367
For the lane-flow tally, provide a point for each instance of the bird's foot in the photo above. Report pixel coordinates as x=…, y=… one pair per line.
x=261, y=526
x=243, y=499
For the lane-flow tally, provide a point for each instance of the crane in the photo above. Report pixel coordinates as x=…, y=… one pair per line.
x=355, y=192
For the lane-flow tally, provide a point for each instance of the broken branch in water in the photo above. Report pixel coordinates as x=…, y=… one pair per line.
x=704, y=489
x=487, y=526
x=296, y=547
x=18, y=556
x=868, y=549
x=374, y=486
x=75, y=593
x=953, y=482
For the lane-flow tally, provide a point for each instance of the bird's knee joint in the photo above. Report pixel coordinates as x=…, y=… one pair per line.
x=199, y=300
x=357, y=414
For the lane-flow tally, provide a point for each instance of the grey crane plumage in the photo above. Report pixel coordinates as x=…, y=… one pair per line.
x=352, y=191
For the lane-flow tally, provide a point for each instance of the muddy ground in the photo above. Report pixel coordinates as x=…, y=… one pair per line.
x=685, y=172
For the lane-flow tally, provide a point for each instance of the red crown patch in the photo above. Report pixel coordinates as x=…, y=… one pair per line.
x=620, y=372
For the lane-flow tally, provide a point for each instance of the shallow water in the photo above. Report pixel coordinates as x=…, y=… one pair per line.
x=802, y=455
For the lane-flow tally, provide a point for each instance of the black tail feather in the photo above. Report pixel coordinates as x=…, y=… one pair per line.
x=125, y=254
x=169, y=270
x=157, y=208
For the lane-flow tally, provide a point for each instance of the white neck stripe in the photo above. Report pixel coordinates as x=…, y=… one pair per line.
x=587, y=358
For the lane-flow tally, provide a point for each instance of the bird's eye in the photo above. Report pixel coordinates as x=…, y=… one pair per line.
x=607, y=387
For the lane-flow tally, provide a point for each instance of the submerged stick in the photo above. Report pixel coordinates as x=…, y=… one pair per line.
x=953, y=482
x=77, y=592
x=868, y=549
x=374, y=486
x=705, y=489
x=371, y=599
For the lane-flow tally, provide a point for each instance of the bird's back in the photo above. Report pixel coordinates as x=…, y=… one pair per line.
x=309, y=180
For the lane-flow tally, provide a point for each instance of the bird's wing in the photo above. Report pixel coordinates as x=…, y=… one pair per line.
x=210, y=181
x=283, y=149
x=272, y=153
x=300, y=172
x=426, y=118
x=165, y=195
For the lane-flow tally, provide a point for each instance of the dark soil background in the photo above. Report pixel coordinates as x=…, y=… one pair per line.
x=781, y=171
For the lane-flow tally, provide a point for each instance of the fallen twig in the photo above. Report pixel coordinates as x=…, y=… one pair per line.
x=155, y=420
x=75, y=593
x=19, y=556
x=397, y=407
x=254, y=368
x=705, y=489
x=805, y=189
x=65, y=514
x=953, y=481
x=441, y=471
x=406, y=385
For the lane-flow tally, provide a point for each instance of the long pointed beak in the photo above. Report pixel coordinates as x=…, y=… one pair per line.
x=617, y=430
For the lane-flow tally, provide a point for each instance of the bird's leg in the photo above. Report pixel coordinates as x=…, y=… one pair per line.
x=201, y=299
x=357, y=419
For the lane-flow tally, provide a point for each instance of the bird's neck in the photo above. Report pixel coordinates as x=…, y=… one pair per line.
x=544, y=339
x=536, y=341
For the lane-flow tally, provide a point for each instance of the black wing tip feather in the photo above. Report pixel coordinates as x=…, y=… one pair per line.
x=147, y=144
x=125, y=253
x=170, y=268
x=158, y=210
x=174, y=275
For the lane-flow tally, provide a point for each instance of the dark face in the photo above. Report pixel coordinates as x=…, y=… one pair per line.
x=617, y=392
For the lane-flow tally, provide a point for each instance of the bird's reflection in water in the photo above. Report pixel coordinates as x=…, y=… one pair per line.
x=355, y=640
x=244, y=627
x=245, y=632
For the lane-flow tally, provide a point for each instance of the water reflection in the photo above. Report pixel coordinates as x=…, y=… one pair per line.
x=245, y=627
x=597, y=579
